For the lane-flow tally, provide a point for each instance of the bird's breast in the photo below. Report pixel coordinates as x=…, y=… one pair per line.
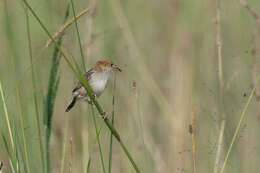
x=98, y=82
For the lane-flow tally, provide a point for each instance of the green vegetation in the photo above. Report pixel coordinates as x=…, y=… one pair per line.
x=180, y=59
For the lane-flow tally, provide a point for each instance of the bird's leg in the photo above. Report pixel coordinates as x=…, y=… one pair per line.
x=94, y=95
x=105, y=115
x=89, y=100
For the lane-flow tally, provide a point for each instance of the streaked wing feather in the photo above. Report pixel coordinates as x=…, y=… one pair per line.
x=88, y=75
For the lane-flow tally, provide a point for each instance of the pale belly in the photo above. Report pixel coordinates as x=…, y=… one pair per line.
x=98, y=82
x=98, y=86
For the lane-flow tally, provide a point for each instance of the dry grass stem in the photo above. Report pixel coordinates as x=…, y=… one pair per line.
x=251, y=10
x=220, y=145
x=71, y=155
x=254, y=67
x=221, y=89
x=66, y=25
x=219, y=47
x=193, y=142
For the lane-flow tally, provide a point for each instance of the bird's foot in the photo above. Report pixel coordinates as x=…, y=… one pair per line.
x=94, y=95
x=89, y=100
x=105, y=115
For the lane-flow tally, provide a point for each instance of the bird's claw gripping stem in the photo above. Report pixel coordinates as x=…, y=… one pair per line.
x=104, y=115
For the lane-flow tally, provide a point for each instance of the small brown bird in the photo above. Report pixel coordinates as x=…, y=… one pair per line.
x=97, y=78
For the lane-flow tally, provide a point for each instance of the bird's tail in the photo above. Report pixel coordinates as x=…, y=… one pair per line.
x=72, y=103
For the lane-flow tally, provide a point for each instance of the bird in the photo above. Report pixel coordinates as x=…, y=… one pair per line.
x=97, y=78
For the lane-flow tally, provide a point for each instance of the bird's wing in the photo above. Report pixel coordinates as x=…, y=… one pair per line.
x=88, y=75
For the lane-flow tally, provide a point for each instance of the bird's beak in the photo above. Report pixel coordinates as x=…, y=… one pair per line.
x=115, y=67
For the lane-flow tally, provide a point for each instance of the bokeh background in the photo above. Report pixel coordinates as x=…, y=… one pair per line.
x=167, y=50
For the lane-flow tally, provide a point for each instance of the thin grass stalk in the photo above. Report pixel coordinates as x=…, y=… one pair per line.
x=193, y=141
x=219, y=47
x=139, y=112
x=66, y=25
x=7, y=117
x=146, y=151
x=18, y=98
x=221, y=89
x=14, y=162
x=8, y=152
x=78, y=69
x=92, y=150
x=242, y=116
x=111, y=135
x=34, y=89
x=64, y=146
x=78, y=36
x=89, y=28
x=139, y=59
x=71, y=156
x=13, y=155
x=139, y=117
x=22, y=129
x=88, y=39
x=16, y=149
x=107, y=121
x=99, y=144
x=50, y=36
x=81, y=78
x=13, y=159
x=253, y=13
x=88, y=167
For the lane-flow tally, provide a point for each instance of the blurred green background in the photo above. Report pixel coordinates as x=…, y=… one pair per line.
x=168, y=48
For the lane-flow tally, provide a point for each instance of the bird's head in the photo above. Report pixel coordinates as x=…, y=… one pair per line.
x=106, y=65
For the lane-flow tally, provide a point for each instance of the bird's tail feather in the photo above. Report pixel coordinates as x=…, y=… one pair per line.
x=72, y=103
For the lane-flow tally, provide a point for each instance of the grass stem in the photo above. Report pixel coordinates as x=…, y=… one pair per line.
x=98, y=140
x=221, y=89
x=18, y=96
x=242, y=116
x=78, y=36
x=7, y=117
x=34, y=89
x=111, y=135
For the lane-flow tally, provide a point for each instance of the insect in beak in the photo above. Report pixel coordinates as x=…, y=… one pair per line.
x=115, y=67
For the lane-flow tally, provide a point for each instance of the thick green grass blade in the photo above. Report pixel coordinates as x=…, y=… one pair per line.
x=51, y=95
